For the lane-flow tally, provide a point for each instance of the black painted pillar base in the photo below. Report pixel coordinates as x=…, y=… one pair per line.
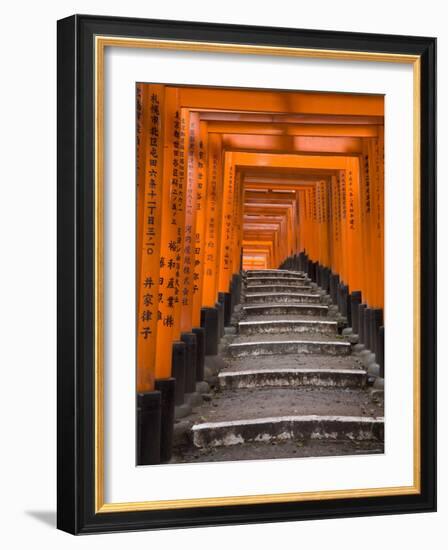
x=220, y=306
x=235, y=290
x=200, y=352
x=366, y=329
x=209, y=322
x=355, y=299
x=312, y=271
x=326, y=279
x=343, y=301
x=348, y=302
x=334, y=283
x=361, y=311
x=376, y=323
x=179, y=350
x=166, y=387
x=190, y=361
x=149, y=409
x=301, y=261
x=227, y=308
x=380, y=351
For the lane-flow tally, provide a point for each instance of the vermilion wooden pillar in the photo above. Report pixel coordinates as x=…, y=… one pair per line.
x=201, y=225
x=149, y=227
x=169, y=247
x=191, y=195
x=213, y=222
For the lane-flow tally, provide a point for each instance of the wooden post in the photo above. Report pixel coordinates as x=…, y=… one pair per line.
x=151, y=163
x=169, y=233
x=225, y=256
x=191, y=180
x=213, y=222
x=200, y=227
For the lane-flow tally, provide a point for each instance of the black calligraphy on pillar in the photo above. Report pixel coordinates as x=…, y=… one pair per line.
x=351, y=202
x=343, y=195
x=189, y=206
x=199, y=207
x=228, y=220
x=138, y=108
x=367, y=184
x=210, y=248
x=324, y=195
x=337, y=207
x=378, y=189
x=179, y=134
x=149, y=288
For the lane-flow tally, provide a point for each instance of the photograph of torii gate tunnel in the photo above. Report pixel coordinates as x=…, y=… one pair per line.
x=260, y=274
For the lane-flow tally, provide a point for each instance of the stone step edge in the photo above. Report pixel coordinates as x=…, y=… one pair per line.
x=288, y=321
x=270, y=281
x=249, y=272
x=287, y=289
x=289, y=294
x=270, y=342
x=289, y=347
x=293, y=370
x=293, y=378
x=276, y=277
x=276, y=305
x=234, y=432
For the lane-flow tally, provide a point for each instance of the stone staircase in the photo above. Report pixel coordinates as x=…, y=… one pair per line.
x=286, y=377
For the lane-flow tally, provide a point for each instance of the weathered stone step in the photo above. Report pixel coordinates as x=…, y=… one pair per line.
x=271, y=280
x=282, y=297
x=286, y=309
x=338, y=362
x=293, y=377
x=288, y=448
x=274, y=272
x=279, y=428
x=277, y=288
x=281, y=326
x=293, y=345
x=262, y=402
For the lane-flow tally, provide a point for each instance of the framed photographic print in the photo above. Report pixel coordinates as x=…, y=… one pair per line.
x=246, y=274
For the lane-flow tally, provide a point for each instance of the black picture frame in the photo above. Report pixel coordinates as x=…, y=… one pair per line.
x=76, y=302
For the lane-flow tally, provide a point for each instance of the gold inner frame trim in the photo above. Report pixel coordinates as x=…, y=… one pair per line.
x=101, y=42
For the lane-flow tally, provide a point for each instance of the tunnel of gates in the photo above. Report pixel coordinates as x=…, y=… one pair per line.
x=230, y=180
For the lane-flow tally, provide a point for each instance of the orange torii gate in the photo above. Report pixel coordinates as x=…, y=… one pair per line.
x=235, y=99
x=288, y=161
x=300, y=144
x=201, y=153
x=265, y=232
x=236, y=140
x=279, y=217
x=320, y=246
x=262, y=101
x=150, y=132
x=352, y=130
x=370, y=278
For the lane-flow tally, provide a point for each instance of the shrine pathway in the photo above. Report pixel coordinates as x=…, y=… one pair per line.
x=286, y=383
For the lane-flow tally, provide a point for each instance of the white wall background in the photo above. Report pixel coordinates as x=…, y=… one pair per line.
x=28, y=271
